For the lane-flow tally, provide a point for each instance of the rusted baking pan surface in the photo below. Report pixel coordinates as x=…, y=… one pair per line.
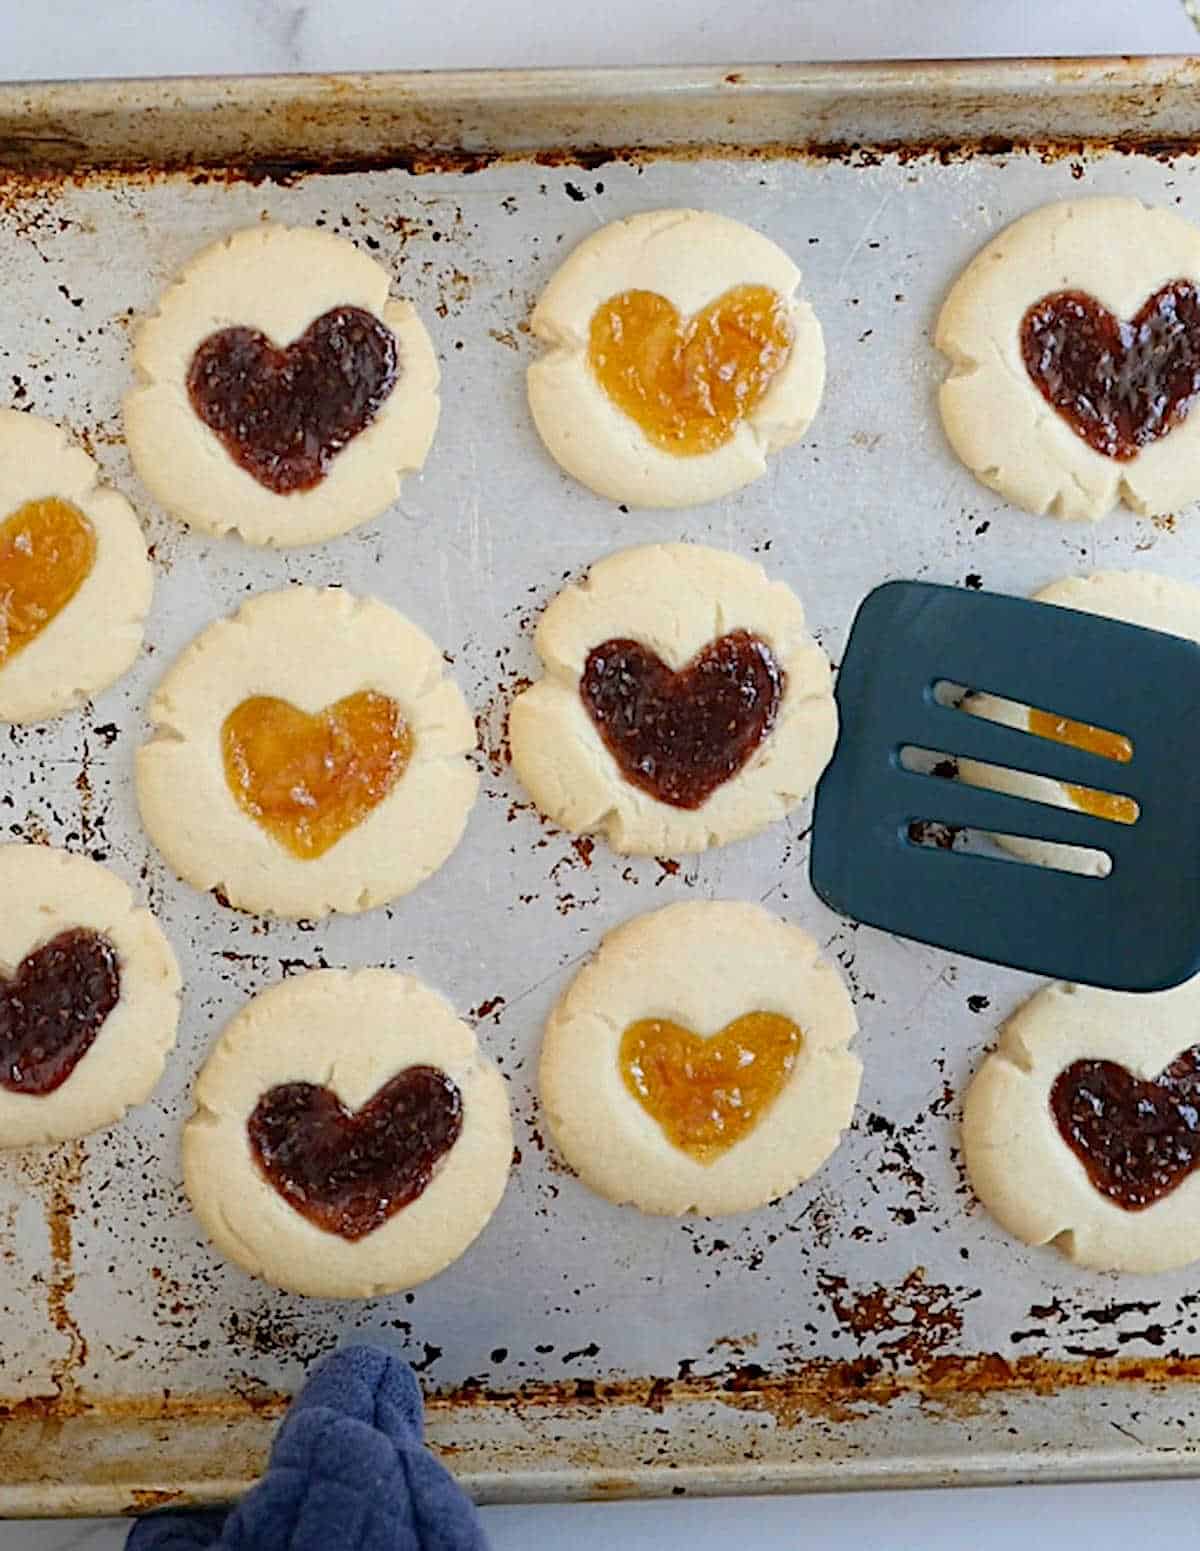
x=872, y=1328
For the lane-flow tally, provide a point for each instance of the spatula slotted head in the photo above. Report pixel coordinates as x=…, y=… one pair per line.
x=1138, y=929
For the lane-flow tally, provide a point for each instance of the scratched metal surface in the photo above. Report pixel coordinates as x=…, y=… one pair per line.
x=873, y=1326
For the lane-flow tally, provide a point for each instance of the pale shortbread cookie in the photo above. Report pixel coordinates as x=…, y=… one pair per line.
x=46, y=893
x=311, y=648
x=1021, y=1168
x=690, y=257
x=97, y=635
x=674, y=599
x=1136, y=598
x=702, y=964
x=277, y=280
x=997, y=420
x=350, y=1032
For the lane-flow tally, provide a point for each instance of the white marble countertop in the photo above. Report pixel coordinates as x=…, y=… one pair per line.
x=66, y=38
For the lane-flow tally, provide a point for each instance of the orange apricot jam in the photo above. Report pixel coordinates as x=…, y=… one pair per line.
x=1095, y=740
x=47, y=550
x=689, y=383
x=707, y=1094
x=308, y=779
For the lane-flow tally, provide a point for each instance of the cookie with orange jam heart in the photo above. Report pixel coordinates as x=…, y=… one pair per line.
x=308, y=756
x=75, y=578
x=678, y=356
x=1081, y=1130
x=349, y=1138
x=684, y=703
x=282, y=393
x=700, y=1062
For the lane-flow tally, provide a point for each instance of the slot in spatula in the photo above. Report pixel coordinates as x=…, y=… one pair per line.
x=1138, y=928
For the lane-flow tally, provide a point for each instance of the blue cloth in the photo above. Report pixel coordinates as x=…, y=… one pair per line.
x=348, y=1472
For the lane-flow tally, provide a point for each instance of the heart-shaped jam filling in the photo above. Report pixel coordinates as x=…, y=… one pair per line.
x=47, y=550
x=284, y=414
x=1095, y=740
x=1118, y=385
x=53, y=1007
x=1137, y=1139
x=707, y=1094
x=681, y=735
x=349, y=1171
x=306, y=779
x=688, y=383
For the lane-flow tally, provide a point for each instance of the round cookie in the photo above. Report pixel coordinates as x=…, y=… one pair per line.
x=75, y=579
x=1000, y=422
x=677, y=606
x=361, y=1036
x=273, y=295
x=686, y=260
x=313, y=681
x=1136, y=598
x=71, y=1063
x=1035, y=1183
x=700, y=966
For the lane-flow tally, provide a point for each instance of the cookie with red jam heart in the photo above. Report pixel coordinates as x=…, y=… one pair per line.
x=349, y=1138
x=282, y=392
x=1074, y=346
x=1082, y=1130
x=89, y=997
x=683, y=703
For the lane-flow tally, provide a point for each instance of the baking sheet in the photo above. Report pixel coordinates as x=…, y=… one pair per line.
x=873, y=1327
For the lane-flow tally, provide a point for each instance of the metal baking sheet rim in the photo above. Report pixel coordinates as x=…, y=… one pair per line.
x=743, y=1435
x=330, y=121
x=742, y=1445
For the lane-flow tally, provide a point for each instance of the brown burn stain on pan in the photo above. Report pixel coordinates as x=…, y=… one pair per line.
x=612, y=1488
x=829, y=1388
x=122, y=1450
x=65, y=1172
x=25, y=175
x=491, y=722
x=163, y=1406
x=832, y=1390
x=270, y=1329
x=906, y=1334
x=230, y=1442
x=142, y=1499
x=54, y=1174
x=910, y=1323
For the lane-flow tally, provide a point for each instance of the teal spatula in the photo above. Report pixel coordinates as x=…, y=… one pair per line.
x=1138, y=928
